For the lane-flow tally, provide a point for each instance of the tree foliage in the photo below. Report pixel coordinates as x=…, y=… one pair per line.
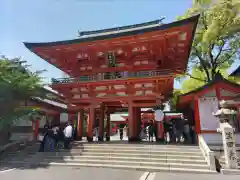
x=216, y=45
x=173, y=100
x=217, y=40
x=17, y=84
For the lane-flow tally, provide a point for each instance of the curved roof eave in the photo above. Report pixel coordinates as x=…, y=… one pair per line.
x=193, y=19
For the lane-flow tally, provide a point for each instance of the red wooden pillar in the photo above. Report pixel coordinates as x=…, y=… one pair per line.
x=101, y=123
x=35, y=126
x=134, y=123
x=138, y=121
x=108, y=127
x=130, y=122
x=91, y=117
x=80, y=124
x=196, y=117
x=160, y=130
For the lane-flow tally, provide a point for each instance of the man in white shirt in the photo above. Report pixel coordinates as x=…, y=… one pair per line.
x=68, y=132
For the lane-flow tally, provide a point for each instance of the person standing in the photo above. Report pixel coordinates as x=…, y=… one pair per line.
x=150, y=131
x=49, y=144
x=186, y=132
x=68, y=133
x=179, y=129
x=43, y=140
x=166, y=127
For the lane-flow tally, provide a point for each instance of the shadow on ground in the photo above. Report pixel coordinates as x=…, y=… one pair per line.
x=28, y=157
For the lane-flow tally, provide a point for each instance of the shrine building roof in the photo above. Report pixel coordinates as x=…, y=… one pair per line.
x=115, y=32
x=150, y=46
x=221, y=82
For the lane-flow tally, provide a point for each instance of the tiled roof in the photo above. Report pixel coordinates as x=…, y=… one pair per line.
x=54, y=103
x=120, y=33
x=121, y=29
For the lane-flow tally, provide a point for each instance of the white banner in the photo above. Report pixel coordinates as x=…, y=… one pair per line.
x=207, y=106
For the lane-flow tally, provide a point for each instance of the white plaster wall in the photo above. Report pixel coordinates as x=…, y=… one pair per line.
x=208, y=106
x=63, y=117
x=216, y=138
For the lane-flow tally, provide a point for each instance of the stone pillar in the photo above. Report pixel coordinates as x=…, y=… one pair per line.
x=80, y=124
x=225, y=115
x=229, y=146
x=91, y=117
x=101, y=123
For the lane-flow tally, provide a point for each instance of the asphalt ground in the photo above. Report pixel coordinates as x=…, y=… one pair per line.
x=63, y=173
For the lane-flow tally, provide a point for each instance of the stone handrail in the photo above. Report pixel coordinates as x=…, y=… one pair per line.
x=208, y=154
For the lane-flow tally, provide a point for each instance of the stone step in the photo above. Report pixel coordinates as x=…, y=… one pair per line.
x=136, y=159
x=136, y=146
x=130, y=154
x=129, y=163
x=137, y=154
x=130, y=151
x=107, y=154
x=118, y=166
x=149, y=148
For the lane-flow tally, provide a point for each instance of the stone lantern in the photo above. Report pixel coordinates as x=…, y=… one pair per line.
x=225, y=116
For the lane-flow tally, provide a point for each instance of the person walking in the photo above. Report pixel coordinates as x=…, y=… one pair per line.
x=150, y=131
x=68, y=133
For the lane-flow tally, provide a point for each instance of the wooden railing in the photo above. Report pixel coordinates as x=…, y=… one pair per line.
x=110, y=76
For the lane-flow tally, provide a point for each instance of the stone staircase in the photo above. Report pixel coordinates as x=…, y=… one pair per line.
x=142, y=157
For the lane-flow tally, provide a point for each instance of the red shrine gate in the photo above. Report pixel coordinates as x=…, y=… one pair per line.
x=132, y=66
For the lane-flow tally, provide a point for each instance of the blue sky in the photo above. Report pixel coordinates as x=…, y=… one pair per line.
x=54, y=20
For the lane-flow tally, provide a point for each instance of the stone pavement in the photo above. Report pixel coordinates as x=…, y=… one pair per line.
x=186, y=176
x=63, y=173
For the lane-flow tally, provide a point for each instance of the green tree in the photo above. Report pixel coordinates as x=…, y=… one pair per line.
x=217, y=40
x=173, y=100
x=17, y=85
